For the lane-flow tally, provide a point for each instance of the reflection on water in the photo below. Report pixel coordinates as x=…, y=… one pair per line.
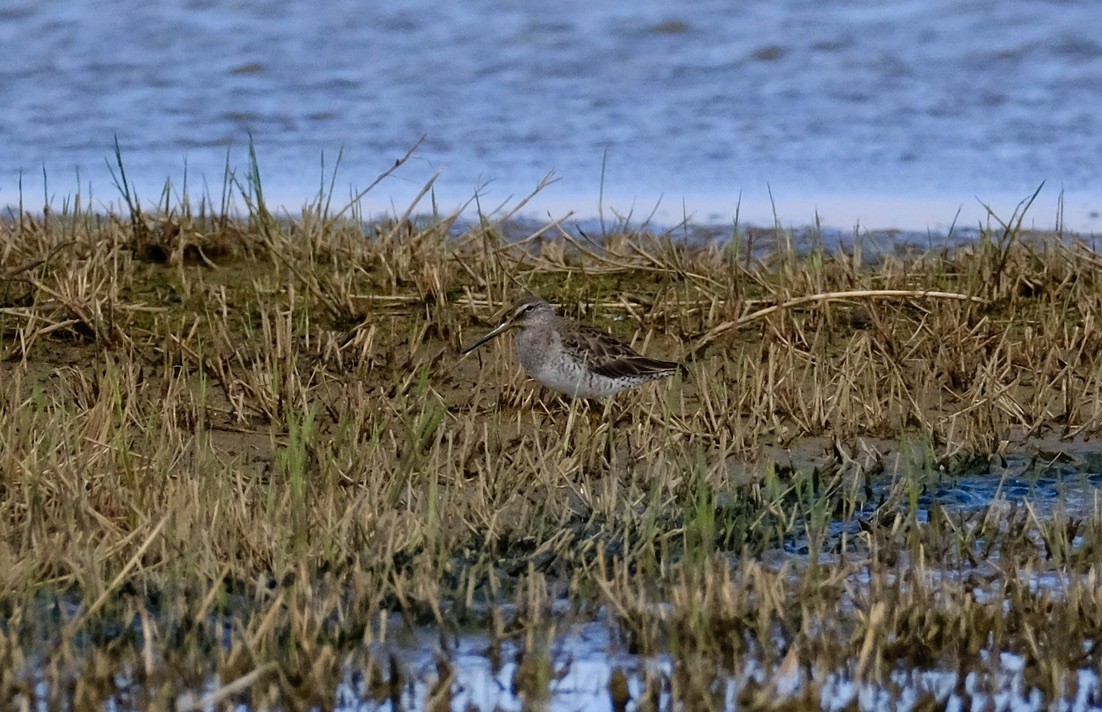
x=584, y=665
x=588, y=655
x=1076, y=495
x=891, y=114
x=1066, y=489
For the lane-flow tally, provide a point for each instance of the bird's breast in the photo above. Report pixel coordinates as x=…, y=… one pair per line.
x=533, y=349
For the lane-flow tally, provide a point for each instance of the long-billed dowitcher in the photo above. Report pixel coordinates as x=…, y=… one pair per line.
x=573, y=358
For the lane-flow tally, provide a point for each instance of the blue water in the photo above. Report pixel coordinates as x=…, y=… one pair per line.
x=891, y=114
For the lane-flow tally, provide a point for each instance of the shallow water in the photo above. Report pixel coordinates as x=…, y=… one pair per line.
x=586, y=674
x=893, y=115
x=585, y=659
x=588, y=648
x=587, y=654
x=1072, y=496
x=1066, y=490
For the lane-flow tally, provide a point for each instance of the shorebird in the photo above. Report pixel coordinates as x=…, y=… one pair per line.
x=572, y=358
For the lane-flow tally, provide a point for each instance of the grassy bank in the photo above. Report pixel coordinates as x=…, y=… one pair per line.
x=230, y=447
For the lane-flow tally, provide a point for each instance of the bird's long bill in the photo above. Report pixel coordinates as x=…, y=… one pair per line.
x=496, y=331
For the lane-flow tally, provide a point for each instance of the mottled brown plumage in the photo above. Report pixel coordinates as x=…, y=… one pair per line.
x=573, y=358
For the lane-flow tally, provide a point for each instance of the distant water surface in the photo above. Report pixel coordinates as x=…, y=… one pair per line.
x=892, y=114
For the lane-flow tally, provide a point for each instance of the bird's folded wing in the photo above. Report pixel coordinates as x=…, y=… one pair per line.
x=634, y=366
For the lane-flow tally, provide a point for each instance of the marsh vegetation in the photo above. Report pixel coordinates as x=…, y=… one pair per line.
x=240, y=454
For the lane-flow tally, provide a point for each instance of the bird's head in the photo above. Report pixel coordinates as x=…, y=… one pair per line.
x=527, y=311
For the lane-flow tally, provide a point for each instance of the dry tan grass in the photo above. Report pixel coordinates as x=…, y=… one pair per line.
x=268, y=422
